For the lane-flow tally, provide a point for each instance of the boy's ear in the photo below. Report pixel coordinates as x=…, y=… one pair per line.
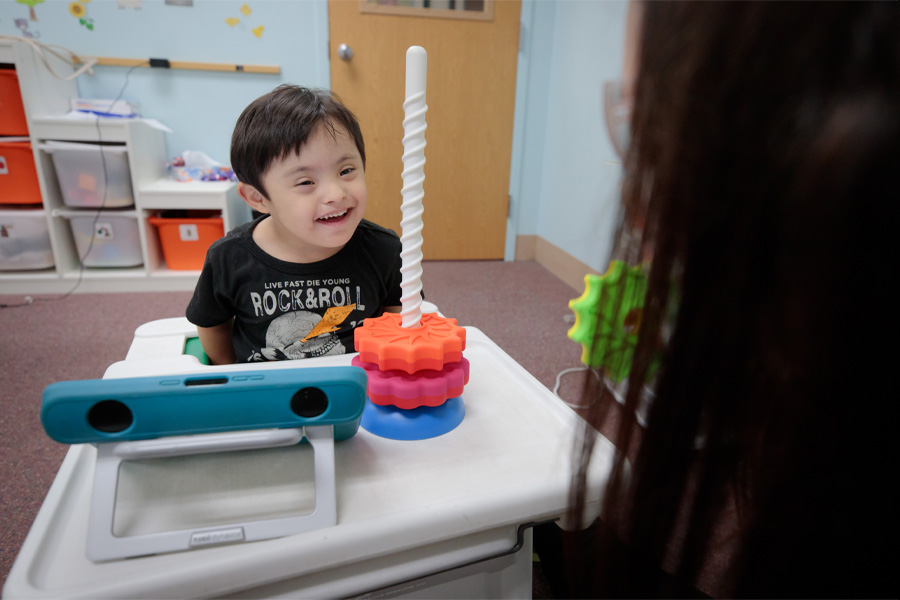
x=252, y=197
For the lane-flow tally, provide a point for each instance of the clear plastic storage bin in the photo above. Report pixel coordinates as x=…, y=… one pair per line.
x=92, y=175
x=24, y=240
x=105, y=238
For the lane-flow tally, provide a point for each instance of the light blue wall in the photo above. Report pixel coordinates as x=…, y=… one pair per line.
x=567, y=182
x=529, y=128
x=200, y=107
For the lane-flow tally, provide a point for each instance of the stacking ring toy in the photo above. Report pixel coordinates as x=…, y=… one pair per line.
x=413, y=361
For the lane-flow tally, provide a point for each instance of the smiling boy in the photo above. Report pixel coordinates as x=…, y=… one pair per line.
x=296, y=281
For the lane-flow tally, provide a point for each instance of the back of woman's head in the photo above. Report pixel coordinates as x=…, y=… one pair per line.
x=765, y=138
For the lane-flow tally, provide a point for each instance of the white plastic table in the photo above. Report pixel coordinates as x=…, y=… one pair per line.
x=435, y=518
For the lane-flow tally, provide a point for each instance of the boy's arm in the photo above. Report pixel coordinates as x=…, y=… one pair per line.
x=217, y=343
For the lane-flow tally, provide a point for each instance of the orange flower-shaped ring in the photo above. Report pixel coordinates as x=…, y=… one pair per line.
x=383, y=341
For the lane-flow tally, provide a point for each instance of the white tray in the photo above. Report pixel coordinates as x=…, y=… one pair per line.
x=405, y=509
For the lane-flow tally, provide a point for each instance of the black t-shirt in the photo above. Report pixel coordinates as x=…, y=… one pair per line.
x=287, y=310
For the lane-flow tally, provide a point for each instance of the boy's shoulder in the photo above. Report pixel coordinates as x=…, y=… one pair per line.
x=234, y=238
x=369, y=231
x=376, y=242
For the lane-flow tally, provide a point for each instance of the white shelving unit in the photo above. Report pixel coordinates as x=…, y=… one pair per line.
x=46, y=100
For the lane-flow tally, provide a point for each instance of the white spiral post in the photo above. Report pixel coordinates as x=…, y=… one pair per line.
x=414, y=109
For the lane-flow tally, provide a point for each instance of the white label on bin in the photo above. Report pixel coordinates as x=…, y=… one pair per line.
x=4, y=170
x=103, y=231
x=188, y=233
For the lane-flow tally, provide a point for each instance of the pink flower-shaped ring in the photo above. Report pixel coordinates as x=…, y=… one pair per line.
x=427, y=387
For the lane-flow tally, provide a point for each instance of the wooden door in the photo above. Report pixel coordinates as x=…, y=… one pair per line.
x=470, y=96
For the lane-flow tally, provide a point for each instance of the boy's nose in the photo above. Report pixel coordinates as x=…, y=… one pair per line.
x=334, y=191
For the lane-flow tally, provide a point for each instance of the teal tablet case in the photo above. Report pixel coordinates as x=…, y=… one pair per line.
x=140, y=408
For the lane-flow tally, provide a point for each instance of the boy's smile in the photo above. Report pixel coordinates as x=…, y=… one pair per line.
x=316, y=198
x=334, y=217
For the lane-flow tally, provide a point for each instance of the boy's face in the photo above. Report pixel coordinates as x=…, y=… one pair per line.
x=317, y=197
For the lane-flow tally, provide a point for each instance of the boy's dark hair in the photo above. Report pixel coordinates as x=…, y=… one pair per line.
x=279, y=123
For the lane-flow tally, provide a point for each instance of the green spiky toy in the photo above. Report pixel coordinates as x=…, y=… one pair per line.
x=608, y=317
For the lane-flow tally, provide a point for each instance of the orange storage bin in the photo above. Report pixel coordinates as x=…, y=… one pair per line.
x=186, y=240
x=18, y=175
x=12, y=112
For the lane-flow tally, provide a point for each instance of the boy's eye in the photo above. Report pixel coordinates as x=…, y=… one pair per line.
x=347, y=171
x=305, y=182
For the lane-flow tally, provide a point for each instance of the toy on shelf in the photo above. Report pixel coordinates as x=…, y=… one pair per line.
x=608, y=318
x=414, y=362
x=197, y=166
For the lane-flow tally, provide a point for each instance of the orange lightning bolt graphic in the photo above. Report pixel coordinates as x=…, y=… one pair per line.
x=331, y=321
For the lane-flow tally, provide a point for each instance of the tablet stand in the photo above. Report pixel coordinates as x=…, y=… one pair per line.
x=103, y=545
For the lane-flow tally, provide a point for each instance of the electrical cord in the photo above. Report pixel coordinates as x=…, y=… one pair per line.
x=41, y=49
x=559, y=377
x=29, y=299
x=25, y=302
x=618, y=391
x=105, y=193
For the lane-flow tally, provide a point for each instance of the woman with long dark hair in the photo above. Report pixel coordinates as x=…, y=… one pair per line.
x=763, y=164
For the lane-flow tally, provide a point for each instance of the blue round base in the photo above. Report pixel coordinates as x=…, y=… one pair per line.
x=421, y=423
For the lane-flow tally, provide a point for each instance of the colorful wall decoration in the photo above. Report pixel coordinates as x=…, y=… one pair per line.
x=200, y=107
